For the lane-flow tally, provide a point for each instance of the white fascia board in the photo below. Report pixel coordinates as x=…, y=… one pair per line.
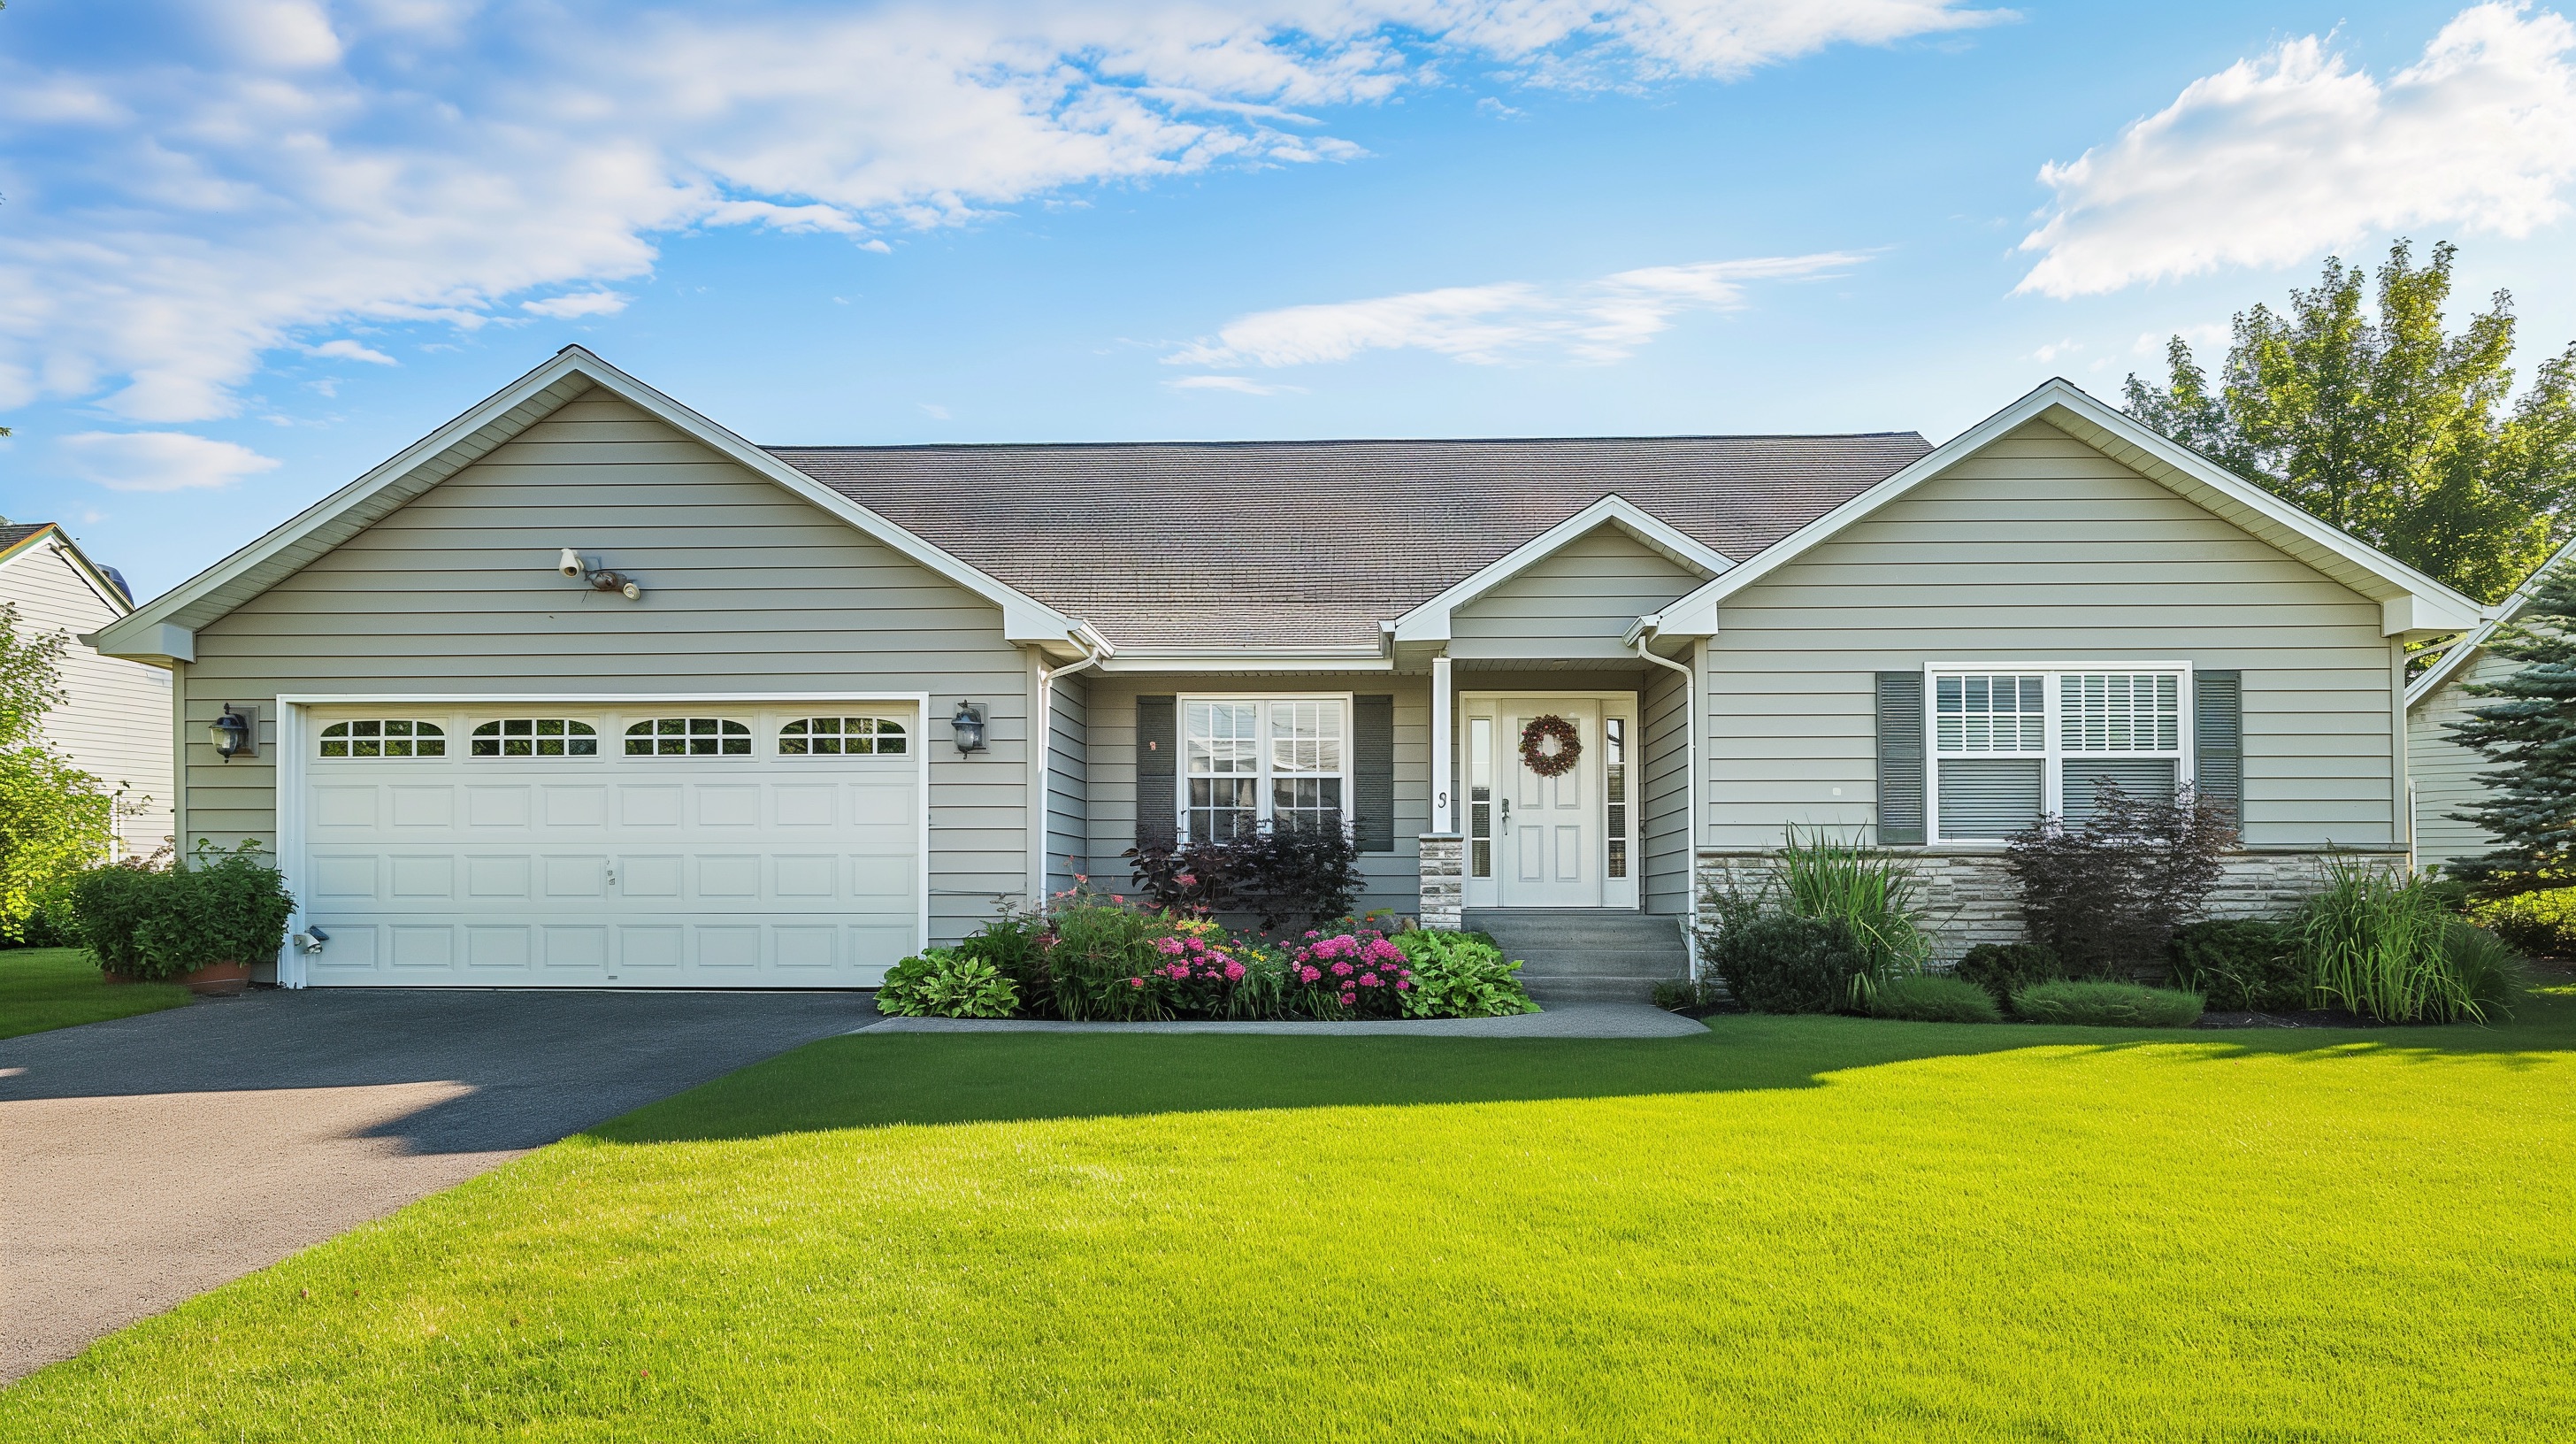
x=2355, y=563
x=2463, y=650
x=1251, y=662
x=1024, y=618
x=1429, y=622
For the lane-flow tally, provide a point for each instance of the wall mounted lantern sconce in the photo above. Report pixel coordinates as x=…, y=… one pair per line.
x=601, y=579
x=235, y=734
x=969, y=723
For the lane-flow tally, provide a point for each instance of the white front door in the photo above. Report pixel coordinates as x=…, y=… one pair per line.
x=1551, y=826
x=1563, y=841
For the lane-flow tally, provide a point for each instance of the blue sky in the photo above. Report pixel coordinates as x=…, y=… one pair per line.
x=249, y=250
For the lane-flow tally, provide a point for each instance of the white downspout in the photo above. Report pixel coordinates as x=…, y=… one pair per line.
x=1043, y=744
x=1690, y=759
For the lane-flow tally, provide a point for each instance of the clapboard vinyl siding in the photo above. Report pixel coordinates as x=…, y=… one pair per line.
x=115, y=717
x=2446, y=774
x=1393, y=879
x=1577, y=602
x=456, y=593
x=1663, y=812
x=1068, y=780
x=2039, y=549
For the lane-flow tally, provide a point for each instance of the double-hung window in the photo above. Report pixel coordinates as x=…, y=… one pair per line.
x=1246, y=761
x=2010, y=747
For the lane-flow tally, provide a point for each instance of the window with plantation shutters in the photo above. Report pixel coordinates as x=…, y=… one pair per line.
x=2010, y=747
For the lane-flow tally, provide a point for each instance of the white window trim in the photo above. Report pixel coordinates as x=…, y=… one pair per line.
x=1261, y=791
x=2053, y=756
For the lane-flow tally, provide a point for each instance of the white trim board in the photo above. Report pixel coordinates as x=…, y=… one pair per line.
x=2475, y=642
x=165, y=629
x=289, y=768
x=2411, y=603
x=1430, y=622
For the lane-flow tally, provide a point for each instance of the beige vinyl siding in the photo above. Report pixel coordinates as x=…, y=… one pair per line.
x=1663, y=811
x=748, y=591
x=2444, y=773
x=1578, y=602
x=114, y=722
x=2039, y=549
x=1068, y=781
x=1394, y=880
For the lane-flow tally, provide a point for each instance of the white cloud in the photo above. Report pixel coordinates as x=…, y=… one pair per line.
x=226, y=180
x=2276, y=160
x=1597, y=321
x=347, y=350
x=1243, y=384
x=583, y=303
x=2048, y=354
x=160, y=460
x=933, y=410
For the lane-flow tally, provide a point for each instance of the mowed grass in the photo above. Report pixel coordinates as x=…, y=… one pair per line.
x=43, y=988
x=1789, y=1229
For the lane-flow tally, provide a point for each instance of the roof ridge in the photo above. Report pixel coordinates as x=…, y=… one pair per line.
x=1343, y=441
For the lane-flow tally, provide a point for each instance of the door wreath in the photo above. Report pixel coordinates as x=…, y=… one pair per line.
x=1538, y=757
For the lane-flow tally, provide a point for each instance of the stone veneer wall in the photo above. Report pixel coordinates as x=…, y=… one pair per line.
x=1444, y=880
x=1969, y=896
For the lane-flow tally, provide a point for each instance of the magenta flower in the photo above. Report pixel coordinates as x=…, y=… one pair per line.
x=1368, y=980
x=1233, y=970
x=1342, y=970
x=1187, y=880
x=1350, y=999
x=1167, y=946
x=1308, y=975
x=1135, y=982
x=1403, y=985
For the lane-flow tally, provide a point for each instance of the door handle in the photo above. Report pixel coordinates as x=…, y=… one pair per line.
x=1507, y=812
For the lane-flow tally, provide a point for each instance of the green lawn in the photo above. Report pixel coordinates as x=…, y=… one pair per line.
x=44, y=988
x=1790, y=1229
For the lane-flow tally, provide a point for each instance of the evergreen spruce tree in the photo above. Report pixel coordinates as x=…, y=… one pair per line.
x=2530, y=732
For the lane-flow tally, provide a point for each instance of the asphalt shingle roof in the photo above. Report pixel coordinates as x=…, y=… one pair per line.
x=1313, y=543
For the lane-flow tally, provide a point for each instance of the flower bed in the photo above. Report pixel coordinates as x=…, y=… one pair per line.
x=1089, y=958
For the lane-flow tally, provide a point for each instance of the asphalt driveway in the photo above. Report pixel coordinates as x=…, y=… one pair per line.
x=148, y=1159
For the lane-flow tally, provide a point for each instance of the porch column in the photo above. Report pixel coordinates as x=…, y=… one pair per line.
x=1444, y=808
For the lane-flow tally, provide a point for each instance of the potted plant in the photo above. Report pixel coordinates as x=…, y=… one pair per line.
x=204, y=924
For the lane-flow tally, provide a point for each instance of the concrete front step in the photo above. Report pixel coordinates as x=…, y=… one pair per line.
x=1587, y=954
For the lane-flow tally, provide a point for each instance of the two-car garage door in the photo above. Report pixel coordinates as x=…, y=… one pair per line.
x=562, y=845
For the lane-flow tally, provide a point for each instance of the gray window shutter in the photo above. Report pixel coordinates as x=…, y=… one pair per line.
x=1900, y=758
x=2218, y=740
x=1158, y=814
x=1373, y=772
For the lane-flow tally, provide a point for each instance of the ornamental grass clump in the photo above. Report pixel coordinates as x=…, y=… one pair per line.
x=2099, y=1004
x=1932, y=998
x=2373, y=939
x=1874, y=895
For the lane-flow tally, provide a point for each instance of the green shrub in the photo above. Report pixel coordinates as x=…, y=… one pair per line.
x=947, y=983
x=2003, y=969
x=1097, y=951
x=2106, y=896
x=1873, y=894
x=1931, y=998
x=1689, y=995
x=2483, y=969
x=2243, y=964
x=1014, y=944
x=2542, y=923
x=1775, y=962
x=2095, y=1004
x=2373, y=942
x=142, y=922
x=1460, y=975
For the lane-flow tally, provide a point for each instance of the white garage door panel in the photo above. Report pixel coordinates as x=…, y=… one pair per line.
x=747, y=871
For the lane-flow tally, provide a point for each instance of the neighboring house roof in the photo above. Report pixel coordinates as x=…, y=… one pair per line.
x=1315, y=544
x=18, y=539
x=166, y=629
x=2411, y=603
x=2465, y=650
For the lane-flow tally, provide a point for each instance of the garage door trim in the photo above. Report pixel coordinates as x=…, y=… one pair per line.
x=290, y=767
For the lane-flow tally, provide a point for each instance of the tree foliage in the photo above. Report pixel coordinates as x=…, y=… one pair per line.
x=54, y=818
x=2529, y=731
x=2379, y=419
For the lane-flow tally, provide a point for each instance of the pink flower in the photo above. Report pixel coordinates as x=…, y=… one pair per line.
x=1403, y=985
x=1122, y=902
x=1308, y=975
x=1167, y=946
x=1342, y=970
x=1135, y=982
x=1198, y=945
x=1233, y=970
x=1368, y=980
x=1350, y=999
x=1187, y=879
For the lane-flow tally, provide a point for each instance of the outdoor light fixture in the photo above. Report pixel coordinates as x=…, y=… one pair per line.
x=969, y=723
x=601, y=579
x=231, y=734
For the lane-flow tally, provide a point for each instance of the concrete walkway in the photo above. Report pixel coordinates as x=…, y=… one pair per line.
x=149, y=1159
x=1561, y=1020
